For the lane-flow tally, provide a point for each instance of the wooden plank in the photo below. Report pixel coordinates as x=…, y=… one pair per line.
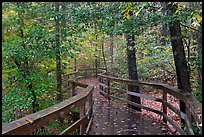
x=173, y=91
x=131, y=103
x=74, y=126
x=89, y=111
x=177, y=111
x=84, y=69
x=166, y=88
x=89, y=125
x=81, y=114
x=174, y=124
x=164, y=97
x=160, y=100
x=78, y=83
x=73, y=92
x=71, y=73
x=134, y=93
x=91, y=103
x=196, y=107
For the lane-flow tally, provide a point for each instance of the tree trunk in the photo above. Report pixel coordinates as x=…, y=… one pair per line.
x=58, y=59
x=164, y=30
x=103, y=54
x=96, y=51
x=200, y=57
x=75, y=66
x=132, y=69
x=24, y=68
x=183, y=79
x=111, y=55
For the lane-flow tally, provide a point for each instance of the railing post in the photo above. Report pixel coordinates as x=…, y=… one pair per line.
x=128, y=95
x=96, y=72
x=102, y=81
x=99, y=79
x=91, y=103
x=73, y=86
x=82, y=114
x=188, y=114
x=68, y=84
x=108, y=85
x=164, y=105
x=85, y=74
x=76, y=76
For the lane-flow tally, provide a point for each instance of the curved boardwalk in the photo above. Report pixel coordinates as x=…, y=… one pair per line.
x=111, y=118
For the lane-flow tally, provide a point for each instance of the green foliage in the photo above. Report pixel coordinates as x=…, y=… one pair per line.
x=87, y=25
x=194, y=128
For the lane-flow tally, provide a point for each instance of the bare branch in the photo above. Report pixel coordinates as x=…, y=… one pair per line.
x=190, y=28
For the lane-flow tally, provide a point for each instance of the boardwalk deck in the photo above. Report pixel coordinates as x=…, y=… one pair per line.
x=111, y=118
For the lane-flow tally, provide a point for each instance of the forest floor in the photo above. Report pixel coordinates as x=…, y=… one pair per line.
x=111, y=118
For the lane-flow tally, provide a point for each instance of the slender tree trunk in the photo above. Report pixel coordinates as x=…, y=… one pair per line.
x=164, y=29
x=132, y=68
x=75, y=64
x=111, y=55
x=25, y=67
x=59, y=96
x=183, y=79
x=96, y=51
x=103, y=54
x=200, y=57
x=58, y=59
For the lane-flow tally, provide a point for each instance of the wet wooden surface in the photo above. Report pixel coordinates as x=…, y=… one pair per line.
x=111, y=118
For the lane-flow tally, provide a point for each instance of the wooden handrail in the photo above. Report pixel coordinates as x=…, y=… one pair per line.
x=195, y=107
x=26, y=125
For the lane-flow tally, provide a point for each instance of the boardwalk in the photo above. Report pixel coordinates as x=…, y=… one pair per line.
x=112, y=118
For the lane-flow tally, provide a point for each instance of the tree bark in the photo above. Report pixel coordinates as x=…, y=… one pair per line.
x=164, y=30
x=199, y=41
x=58, y=59
x=183, y=79
x=103, y=54
x=111, y=55
x=132, y=69
x=24, y=68
x=96, y=51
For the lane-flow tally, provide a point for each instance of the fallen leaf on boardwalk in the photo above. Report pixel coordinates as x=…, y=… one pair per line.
x=30, y=121
x=134, y=125
x=18, y=123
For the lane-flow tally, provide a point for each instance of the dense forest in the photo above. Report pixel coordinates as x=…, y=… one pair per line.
x=147, y=41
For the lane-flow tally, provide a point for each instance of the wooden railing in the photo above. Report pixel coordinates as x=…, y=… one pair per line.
x=27, y=125
x=193, y=106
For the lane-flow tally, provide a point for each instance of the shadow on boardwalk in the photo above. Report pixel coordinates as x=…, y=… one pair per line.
x=112, y=118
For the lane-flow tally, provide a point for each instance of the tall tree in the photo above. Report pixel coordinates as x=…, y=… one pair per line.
x=164, y=29
x=25, y=66
x=183, y=80
x=57, y=51
x=199, y=41
x=132, y=68
x=111, y=54
x=103, y=54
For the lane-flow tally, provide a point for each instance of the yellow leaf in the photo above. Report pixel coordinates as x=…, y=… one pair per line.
x=127, y=15
x=28, y=120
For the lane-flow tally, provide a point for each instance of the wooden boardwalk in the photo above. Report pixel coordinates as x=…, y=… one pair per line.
x=100, y=116
x=111, y=118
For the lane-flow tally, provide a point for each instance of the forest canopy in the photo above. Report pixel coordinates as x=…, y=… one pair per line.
x=42, y=41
